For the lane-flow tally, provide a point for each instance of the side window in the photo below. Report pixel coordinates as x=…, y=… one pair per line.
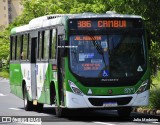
x=53, y=44
x=28, y=50
x=46, y=44
x=18, y=47
x=29, y=47
x=40, y=45
x=25, y=47
x=13, y=43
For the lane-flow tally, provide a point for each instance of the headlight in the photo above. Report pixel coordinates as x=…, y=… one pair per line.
x=143, y=87
x=74, y=88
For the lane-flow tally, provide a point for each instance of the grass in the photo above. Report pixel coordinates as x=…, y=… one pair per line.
x=4, y=74
x=156, y=81
x=155, y=92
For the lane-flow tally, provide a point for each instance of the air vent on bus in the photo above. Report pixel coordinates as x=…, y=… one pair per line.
x=52, y=17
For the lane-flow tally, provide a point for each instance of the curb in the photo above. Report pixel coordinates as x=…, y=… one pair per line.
x=147, y=111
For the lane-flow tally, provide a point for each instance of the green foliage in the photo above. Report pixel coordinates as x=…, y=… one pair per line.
x=4, y=74
x=154, y=98
x=4, y=48
x=155, y=92
x=155, y=81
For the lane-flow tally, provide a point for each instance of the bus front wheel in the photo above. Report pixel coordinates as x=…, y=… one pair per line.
x=28, y=105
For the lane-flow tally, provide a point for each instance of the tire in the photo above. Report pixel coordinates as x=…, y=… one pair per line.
x=39, y=107
x=60, y=112
x=28, y=105
x=125, y=112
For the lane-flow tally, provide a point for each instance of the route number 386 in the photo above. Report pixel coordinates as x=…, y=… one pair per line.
x=84, y=24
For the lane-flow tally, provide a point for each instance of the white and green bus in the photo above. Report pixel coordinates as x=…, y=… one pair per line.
x=81, y=61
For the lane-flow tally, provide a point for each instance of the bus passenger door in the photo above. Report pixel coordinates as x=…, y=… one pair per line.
x=33, y=68
x=60, y=62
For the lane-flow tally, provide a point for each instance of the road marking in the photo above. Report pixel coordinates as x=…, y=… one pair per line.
x=155, y=122
x=103, y=123
x=1, y=94
x=43, y=114
x=15, y=109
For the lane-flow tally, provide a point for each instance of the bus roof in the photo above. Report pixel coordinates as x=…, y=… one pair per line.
x=20, y=29
x=54, y=19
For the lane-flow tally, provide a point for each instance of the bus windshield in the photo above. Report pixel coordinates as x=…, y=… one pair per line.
x=107, y=56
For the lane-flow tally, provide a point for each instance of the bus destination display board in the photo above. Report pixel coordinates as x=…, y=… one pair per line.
x=103, y=23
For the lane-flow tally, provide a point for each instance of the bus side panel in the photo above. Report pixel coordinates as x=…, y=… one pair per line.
x=16, y=79
x=48, y=80
x=49, y=76
x=41, y=69
x=26, y=71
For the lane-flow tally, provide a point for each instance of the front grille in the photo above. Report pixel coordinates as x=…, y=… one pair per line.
x=100, y=101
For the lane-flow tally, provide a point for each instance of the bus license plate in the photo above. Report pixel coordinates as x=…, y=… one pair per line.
x=109, y=104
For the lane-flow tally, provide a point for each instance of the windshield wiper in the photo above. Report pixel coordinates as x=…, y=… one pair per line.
x=98, y=48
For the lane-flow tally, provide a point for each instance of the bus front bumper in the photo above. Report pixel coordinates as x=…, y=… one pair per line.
x=85, y=101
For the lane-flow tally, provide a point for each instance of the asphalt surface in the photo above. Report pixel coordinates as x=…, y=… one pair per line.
x=12, y=113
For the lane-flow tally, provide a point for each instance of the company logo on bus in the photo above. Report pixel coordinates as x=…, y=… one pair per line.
x=110, y=91
x=109, y=80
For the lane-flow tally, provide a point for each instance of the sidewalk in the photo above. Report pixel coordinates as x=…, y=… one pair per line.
x=4, y=79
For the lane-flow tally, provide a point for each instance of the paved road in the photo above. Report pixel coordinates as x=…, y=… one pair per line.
x=10, y=105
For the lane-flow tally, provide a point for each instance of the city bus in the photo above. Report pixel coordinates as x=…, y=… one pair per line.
x=81, y=61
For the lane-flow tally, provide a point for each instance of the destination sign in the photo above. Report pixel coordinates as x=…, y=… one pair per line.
x=87, y=38
x=104, y=23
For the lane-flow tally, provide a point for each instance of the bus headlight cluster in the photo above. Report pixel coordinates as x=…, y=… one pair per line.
x=74, y=88
x=143, y=87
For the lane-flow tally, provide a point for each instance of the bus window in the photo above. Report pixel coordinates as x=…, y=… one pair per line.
x=41, y=45
x=28, y=50
x=38, y=45
x=25, y=47
x=15, y=48
x=13, y=43
x=18, y=47
x=21, y=48
x=46, y=44
x=53, y=44
x=29, y=47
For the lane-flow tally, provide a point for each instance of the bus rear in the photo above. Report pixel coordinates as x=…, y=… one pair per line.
x=107, y=65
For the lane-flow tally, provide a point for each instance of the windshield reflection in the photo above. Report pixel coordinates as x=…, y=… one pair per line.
x=106, y=56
